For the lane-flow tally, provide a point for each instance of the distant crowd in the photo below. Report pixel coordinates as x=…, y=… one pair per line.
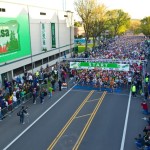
x=123, y=49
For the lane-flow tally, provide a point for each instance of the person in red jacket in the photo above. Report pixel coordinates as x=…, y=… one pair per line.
x=145, y=108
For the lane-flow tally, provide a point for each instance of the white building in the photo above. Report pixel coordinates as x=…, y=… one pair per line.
x=31, y=37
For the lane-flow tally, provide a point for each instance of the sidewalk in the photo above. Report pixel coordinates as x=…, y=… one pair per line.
x=10, y=127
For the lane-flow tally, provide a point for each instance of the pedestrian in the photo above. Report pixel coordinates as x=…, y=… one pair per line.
x=34, y=96
x=133, y=89
x=41, y=96
x=145, y=108
x=149, y=89
x=22, y=114
x=147, y=79
x=0, y=113
x=50, y=90
x=146, y=92
x=60, y=84
x=53, y=84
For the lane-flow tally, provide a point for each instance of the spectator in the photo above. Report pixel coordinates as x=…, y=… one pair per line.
x=41, y=96
x=50, y=90
x=53, y=84
x=14, y=98
x=34, y=93
x=140, y=139
x=60, y=84
x=30, y=79
x=133, y=89
x=0, y=114
x=145, y=108
x=146, y=91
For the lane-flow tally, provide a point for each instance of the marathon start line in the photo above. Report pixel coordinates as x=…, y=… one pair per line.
x=109, y=90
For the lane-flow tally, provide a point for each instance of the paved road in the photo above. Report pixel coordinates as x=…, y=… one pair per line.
x=98, y=123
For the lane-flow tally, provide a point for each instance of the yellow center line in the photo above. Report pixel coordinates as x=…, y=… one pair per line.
x=69, y=122
x=76, y=146
x=83, y=116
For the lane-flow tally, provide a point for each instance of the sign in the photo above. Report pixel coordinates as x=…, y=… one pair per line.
x=53, y=35
x=14, y=37
x=43, y=37
x=101, y=65
x=9, y=40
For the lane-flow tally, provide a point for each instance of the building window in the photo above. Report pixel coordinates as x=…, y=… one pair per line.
x=28, y=67
x=2, y=10
x=51, y=58
x=42, y=13
x=56, y=56
x=38, y=63
x=45, y=60
x=67, y=51
x=18, y=71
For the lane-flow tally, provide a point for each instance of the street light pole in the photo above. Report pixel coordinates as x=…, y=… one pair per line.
x=70, y=43
x=30, y=40
x=69, y=17
x=58, y=48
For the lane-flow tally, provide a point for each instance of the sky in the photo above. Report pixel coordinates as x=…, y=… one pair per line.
x=137, y=9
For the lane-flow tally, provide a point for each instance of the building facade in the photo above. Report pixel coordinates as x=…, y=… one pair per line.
x=31, y=37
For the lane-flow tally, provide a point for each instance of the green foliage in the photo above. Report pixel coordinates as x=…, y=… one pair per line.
x=118, y=21
x=135, y=26
x=13, y=43
x=77, y=24
x=81, y=49
x=84, y=9
x=145, y=26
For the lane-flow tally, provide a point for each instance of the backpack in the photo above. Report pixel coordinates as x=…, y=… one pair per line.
x=19, y=113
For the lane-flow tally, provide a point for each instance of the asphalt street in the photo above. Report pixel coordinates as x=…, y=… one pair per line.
x=84, y=120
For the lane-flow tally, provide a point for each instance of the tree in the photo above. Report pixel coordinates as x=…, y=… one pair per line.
x=145, y=26
x=119, y=21
x=84, y=9
x=77, y=24
x=98, y=21
x=135, y=26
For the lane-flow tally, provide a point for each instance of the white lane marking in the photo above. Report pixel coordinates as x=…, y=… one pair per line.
x=82, y=116
x=92, y=100
x=125, y=124
x=121, y=94
x=81, y=90
x=36, y=120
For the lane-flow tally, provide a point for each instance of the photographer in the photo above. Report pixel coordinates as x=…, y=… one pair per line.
x=22, y=114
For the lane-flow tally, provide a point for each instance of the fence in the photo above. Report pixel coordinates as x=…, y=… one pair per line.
x=10, y=108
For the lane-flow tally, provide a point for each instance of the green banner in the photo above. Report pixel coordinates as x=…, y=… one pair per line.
x=102, y=65
x=53, y=35
x=43, y=37
x=14, y=38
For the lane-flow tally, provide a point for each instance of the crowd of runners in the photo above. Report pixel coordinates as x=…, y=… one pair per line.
x=124, y=49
